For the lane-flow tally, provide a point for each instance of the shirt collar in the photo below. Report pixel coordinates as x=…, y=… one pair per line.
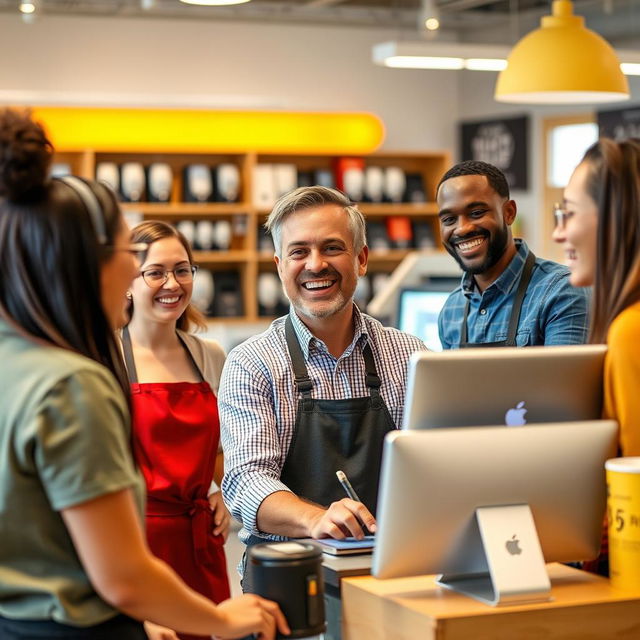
x=508, y=278
x=306, y=338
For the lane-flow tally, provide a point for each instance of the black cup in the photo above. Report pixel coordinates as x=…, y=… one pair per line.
x=290, y=573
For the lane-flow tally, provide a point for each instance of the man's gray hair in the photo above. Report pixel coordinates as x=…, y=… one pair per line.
x=310, y=198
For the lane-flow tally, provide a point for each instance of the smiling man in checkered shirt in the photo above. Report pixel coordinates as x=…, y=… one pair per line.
x=318, y=391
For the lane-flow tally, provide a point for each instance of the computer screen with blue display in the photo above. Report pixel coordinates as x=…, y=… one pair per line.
x=419, y=308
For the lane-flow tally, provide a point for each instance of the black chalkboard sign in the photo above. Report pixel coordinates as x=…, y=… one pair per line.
x=502, y=143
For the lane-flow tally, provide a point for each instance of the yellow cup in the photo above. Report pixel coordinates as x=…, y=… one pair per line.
x=623, y=510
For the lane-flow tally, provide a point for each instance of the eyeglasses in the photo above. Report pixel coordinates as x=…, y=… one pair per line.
x=560, y=216
x=157, y=277
x=134, y=248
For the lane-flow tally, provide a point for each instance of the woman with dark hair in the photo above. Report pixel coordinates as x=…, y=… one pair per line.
x=74, y=562
x=599, y=227
x=174, y=376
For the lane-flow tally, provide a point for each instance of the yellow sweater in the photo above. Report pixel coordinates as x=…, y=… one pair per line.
x=622, y=378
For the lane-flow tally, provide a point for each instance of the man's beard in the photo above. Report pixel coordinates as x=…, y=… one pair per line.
x=497, y=246
x=327, y=308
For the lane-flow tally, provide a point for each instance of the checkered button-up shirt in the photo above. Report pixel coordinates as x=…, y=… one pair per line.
x=258, y=400
x=553, y=311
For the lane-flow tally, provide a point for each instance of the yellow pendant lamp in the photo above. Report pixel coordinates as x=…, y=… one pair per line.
x=562, y=62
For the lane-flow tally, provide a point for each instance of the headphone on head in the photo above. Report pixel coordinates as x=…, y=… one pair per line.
x=91, y=204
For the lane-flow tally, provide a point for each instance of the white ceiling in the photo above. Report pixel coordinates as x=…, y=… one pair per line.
x=495, y=21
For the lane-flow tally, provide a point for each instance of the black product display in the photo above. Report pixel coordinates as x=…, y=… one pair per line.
x=265, y=242
x=290, y=573
x=133, y=186
x=204, y=239
x=395, y=184
x=203, y=291
x=222, y=235
x=319, y=177
x=268, y=290
x=188, y=229
x=377, y=237
x=107, y=172
x=415, y=191
x=423, y=236
x=353, y=182
x=227, y=299
x=226, y=181
x=197, y=184
x=159, y=182
x=373, y=184
x=324, y=178
x=306, y=178
x=280, y=309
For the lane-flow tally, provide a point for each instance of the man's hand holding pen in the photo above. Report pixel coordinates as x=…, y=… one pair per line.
x=343, y=519
x=346, y=518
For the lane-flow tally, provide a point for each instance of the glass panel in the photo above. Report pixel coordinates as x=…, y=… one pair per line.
x=567, y=144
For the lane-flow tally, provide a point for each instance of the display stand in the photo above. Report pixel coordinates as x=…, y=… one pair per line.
x=515, y=569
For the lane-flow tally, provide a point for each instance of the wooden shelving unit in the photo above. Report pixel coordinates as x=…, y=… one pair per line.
x=244, y=256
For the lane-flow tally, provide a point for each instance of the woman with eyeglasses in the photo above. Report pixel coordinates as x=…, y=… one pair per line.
x=174, y=377
x=599, y=228
x=74, y=562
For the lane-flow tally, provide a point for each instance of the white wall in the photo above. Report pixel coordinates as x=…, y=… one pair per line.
x=267, y=65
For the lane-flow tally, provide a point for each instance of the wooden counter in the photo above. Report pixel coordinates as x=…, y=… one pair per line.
x=584, y=607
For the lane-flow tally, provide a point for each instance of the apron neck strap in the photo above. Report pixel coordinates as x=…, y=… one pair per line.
x=303, y=382
x=373, y=379
x=525, y=278
x=523, y=284
x=194, y=364
x=130, y=363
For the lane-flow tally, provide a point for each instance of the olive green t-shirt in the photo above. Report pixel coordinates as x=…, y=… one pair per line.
x=64, y=440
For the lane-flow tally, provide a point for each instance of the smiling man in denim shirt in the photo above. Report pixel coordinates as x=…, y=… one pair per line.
x=507, y=296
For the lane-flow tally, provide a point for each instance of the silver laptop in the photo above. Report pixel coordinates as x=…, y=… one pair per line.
x=432, y=481
x=504, y=386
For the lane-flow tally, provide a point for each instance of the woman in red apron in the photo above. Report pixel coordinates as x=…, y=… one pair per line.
x=176, y=429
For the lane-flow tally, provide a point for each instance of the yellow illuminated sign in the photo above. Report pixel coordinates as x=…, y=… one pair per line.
x=196, y=131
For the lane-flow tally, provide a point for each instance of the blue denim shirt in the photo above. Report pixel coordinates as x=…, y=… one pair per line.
x=553, y=311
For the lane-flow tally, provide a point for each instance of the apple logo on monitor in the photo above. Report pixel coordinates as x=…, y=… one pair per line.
x=515, y=416
x=513, y=546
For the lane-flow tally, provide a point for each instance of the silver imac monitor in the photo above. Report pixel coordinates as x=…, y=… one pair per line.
x=504, y=386
x=488, y=506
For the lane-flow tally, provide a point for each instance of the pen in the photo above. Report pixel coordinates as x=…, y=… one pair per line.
x=351, y=493
x=346, y=485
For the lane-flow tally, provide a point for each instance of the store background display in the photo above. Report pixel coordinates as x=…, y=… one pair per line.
x=159, y=181
x=230, y=245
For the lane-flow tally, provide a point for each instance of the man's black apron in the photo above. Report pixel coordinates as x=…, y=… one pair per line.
x=525, y=279
x=329, y=435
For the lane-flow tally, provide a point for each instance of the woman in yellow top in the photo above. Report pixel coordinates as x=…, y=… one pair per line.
x=599, y=228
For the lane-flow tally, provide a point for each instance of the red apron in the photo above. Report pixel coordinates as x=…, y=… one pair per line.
x=176, y=430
